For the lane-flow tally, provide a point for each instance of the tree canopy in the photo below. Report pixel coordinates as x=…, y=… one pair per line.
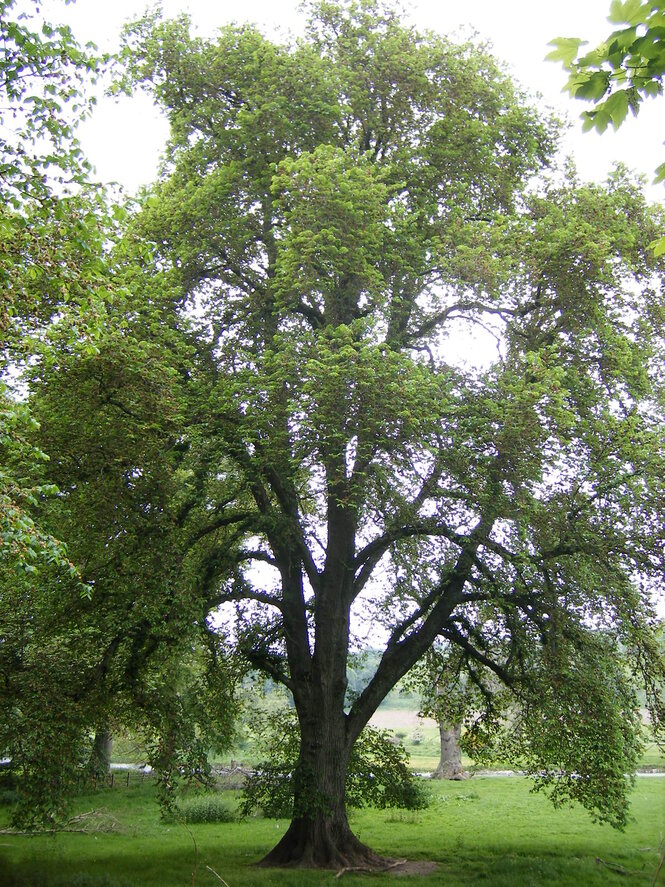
x=313, y=425
x=621, y=72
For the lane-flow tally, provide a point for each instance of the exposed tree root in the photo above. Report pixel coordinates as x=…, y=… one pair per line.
x=370, y=869
x=321, y=845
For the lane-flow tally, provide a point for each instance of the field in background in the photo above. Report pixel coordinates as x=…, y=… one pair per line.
x=420, y=737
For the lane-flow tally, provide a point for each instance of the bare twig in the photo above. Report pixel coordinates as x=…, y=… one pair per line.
x=370, y=869
x=196, y=852
x=83, y=824
x=217, y=876
x=619, y=869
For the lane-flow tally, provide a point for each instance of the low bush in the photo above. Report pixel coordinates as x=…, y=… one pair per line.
x=204, y=808
x=378, y=774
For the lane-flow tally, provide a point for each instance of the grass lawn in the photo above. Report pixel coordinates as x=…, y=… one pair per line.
x=487, y=830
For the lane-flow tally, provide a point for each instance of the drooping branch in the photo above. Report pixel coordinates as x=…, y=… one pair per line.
x=312, y=314
x=248, y=594
x=453, y=634
x=256, y=556
x=461, y=309
x=243, y=520
x=401, y=653
x=269, y=664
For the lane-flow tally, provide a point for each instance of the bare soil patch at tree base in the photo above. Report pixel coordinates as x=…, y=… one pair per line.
x=400, y=867
x=414, y=867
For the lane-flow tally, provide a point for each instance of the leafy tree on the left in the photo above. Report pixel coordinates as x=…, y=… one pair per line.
x=125, y=656
x=51, y=235
x=89, y=630
x=51, y=277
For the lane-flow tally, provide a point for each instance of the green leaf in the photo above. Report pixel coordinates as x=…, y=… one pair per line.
x=597, y=56
x=658, y=246
x=649, y=46
x=617, y=107
x=652, y=89
x=631, y=11
x=597, y=120
x=620, y=41
x=591, y=87
x=565, y=51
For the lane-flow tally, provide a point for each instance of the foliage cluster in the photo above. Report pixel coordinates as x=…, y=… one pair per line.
x=590, y=695
x=50, y=245
x=125, y=653
x=621, y=72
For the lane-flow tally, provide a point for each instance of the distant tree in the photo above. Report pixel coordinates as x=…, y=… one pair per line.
x=99, y=763
x=622, y=71
x=336, y=210
x=446, y=698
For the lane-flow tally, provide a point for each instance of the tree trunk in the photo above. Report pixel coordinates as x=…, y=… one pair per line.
x=322, y=841
x=100, y=756
x=319, y=835
x=450, y=763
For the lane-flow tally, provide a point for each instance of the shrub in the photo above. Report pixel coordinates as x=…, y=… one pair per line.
x=204, y=808
x=377, y=775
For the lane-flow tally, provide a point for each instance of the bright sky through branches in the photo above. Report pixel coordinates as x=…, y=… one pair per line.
x=124, y=138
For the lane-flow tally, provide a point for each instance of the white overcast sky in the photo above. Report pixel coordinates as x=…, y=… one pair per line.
x=124, y=138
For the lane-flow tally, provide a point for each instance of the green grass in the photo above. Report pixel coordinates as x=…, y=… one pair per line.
x=489, y=830
x=425, y=757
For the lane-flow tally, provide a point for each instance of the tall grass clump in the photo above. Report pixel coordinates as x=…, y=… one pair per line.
x=204, y=808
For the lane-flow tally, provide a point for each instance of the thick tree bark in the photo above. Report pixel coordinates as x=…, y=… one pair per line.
x=450, y=763
x=319, y=835
x=322, y=841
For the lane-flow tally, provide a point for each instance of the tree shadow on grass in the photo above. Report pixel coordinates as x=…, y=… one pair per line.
x=149, y=865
